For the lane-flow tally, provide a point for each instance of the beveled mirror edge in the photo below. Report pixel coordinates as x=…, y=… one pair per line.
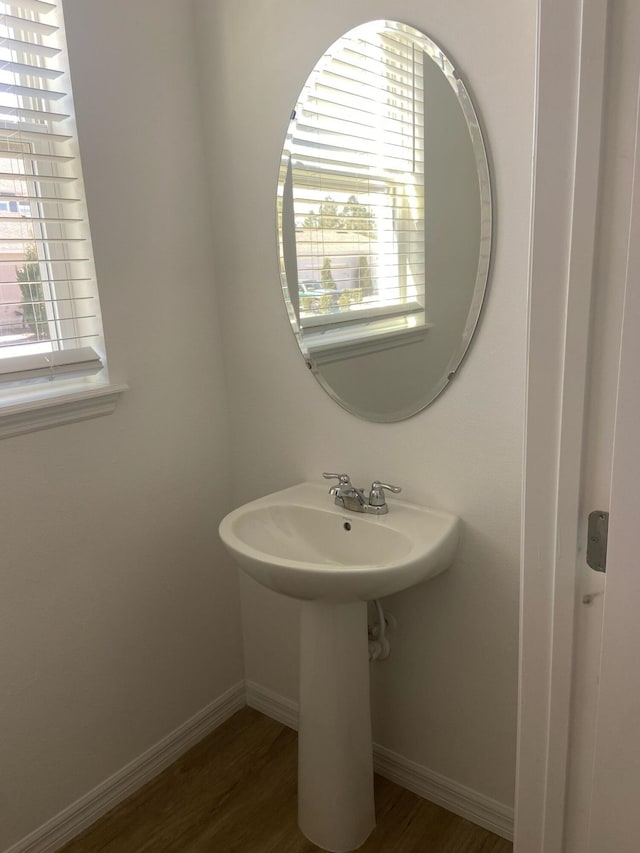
x=487, y=219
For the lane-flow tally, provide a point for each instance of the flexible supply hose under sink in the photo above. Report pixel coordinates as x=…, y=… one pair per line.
x=379, y=648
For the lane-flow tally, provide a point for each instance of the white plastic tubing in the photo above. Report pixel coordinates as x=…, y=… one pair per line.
x=379, y=648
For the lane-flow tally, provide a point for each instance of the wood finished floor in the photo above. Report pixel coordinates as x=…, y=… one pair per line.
x=235, y=792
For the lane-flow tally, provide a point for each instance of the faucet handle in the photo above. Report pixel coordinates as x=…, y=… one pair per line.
x=343, y=479
x=376, y=496
x=344, y=482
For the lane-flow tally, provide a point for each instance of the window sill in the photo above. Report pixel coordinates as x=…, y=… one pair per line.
x=29, y=415
x=341, y=349
x=362, y=314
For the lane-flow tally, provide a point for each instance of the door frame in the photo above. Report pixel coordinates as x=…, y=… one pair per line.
x=613, y=815
x=568, y=125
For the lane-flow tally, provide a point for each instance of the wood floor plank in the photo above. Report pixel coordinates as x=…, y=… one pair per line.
x=235, y=792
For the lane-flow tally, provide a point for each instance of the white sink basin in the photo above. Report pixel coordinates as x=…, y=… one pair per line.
x=299, y=543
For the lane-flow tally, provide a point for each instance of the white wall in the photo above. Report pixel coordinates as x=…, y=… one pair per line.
x=119, y=612
x=447, y=697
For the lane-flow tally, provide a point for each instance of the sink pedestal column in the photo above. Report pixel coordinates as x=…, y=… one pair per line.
x=335, y=762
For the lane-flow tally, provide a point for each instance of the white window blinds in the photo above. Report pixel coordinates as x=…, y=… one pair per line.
x=358, y=182
x=49, y=313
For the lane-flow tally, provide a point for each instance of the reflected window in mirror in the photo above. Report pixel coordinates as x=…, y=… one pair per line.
x=357, y=186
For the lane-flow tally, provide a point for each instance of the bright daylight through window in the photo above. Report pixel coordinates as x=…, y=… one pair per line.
x=50, y=331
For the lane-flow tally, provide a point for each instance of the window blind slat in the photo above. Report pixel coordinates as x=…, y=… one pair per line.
x=407, y=256
x=352, y=134
x=36, y=179
x=363, y=169
x=368, y=86
x=49, y=241
x=330, y=98
x=330, y=114
x=27, y=25
x=4, y=196
x=31, y=92
x=313, y=180
x=41, y=220
x=57, y=301
x=358, y=149
x=53, y=340
x=43, y=157
x=369, y=165
x=23, y=68
x=23, y=112
x=29, y=47
x=48, y=261
x=19, y=133
x=394, y=47
x=49, y=281
x=328, y=179
x=360, y=63
x=333, y=97
x=27, y=131
x=61, y=317
x=355, y=248
x=40, y=6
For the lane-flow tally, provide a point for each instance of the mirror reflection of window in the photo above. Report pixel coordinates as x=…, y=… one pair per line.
x=358, y=187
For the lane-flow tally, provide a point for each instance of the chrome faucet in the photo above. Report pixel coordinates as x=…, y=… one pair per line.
x=349, y=497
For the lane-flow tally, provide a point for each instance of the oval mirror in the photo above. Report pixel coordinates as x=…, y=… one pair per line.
x=384, y=221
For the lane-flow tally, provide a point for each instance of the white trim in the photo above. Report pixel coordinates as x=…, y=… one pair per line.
x=451, y=795
x=571, y=42
x=362, y=315
x=432, y=786
x=573, y=405
x=613, y=815
x=272, y=705
x=18, y=418
x=342, y=348
x=79, y=815
x=81, y=361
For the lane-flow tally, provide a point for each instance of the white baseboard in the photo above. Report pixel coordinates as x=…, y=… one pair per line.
x=451, y=795
x=272, y=705
x=445, y=792
x=79, y=815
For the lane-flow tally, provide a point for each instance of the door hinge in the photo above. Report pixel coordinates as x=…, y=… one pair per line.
x=597, y=532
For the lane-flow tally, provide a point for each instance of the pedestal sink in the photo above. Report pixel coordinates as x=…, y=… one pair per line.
x=298, y=543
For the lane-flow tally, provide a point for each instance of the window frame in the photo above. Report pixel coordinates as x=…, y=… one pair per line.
x=58, y=373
